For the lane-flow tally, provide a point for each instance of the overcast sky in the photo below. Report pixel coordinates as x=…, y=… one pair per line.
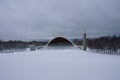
x=37, y=19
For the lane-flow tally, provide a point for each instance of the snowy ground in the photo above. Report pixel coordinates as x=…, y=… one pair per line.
x=59, y=65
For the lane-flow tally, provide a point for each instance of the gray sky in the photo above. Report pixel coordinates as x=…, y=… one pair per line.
x=36, y=19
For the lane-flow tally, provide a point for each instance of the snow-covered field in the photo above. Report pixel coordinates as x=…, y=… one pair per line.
x=59, y=65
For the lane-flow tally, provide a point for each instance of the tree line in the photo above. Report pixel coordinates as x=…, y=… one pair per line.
x=18, y=46
x=12, y=46
x=107, y=45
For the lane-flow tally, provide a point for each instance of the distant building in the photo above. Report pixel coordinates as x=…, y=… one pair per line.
x=32, y=47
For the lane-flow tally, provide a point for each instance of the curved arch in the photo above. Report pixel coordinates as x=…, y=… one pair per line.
x=60, y=41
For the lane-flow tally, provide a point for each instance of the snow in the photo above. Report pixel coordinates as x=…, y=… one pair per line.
x=69, y=64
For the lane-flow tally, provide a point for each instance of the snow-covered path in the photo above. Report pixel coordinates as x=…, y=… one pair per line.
x=59, y=65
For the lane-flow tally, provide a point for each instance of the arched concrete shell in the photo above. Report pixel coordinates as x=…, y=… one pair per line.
x=58, y=40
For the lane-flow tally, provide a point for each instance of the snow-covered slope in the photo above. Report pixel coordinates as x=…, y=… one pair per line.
x=59, y=65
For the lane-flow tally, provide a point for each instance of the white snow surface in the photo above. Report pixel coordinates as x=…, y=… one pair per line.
x=59, y=65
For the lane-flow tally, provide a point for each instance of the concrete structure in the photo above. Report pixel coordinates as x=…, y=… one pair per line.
x=60, y=42
x=84, y=41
